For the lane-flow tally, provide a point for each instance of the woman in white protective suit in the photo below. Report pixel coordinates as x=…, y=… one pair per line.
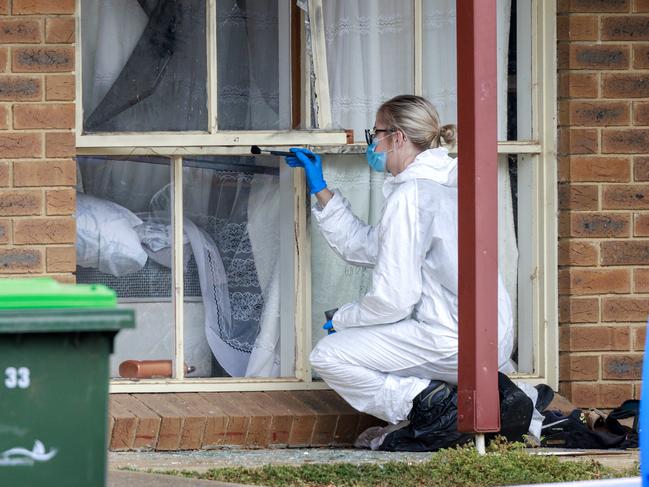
x=390, y=344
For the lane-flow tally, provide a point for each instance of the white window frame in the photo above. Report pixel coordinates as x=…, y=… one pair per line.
x=538, y=154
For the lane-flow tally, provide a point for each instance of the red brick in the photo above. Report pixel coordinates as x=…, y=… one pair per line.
x=45, y=172
x=591, y=225
x=624, y=310
x=640, y=113
x=193, y=421
x=578, y=197
x=4, y=117
x=594, y=338
x=641, y=225
x=625, y=28
x=578, y=85
x=60, y=88
x=21, y=145
x=61, y=259
x=170, y=420
x=5, y=177
x=592, y=6
x=20, y=31
x=4, y=7
x=578, y=141
x=124, y=427
x=641, y=168
x=599, y=169
x=629, y=85
x=14, y=202
x=36, y=7
x=20, y=88
x=238, y=420
x=50, y=230
x=60, y=201
x=578, y=367
x=60, y=144
x=5, y=230
x=641, y=5
x=596, y=395
x=625, y=197
x=595, y=113
x=593, y=56
x=578, y=310
x=59, y=30
x=622, y=367
x=578, y=253
x=42, y=60
x=639, y=338
x=635, y=252
x=577, y=28
x=579, y=281
x=640, y=56
x=641, y=280
x=21, y=260
x=46, y=116
x=4, y=58
x=625, y=141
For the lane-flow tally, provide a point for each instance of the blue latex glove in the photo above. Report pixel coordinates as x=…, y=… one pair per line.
x=329, y=326
x=312, y=167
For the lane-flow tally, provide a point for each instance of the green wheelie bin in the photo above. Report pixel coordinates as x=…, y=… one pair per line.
x=55, y=342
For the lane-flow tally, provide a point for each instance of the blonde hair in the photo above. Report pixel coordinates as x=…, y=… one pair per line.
x=417, y=118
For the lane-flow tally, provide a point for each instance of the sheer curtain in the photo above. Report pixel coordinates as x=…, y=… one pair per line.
x=370, y=46
x=231, y=213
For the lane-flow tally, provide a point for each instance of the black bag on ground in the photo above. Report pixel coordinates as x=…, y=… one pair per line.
x=433, y=422
x=433, y=419
x=571, y=431
x=516, y=410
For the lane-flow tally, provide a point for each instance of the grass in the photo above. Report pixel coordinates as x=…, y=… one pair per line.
x=502, y=465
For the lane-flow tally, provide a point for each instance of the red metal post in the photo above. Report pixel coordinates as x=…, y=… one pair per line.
x=478, y=404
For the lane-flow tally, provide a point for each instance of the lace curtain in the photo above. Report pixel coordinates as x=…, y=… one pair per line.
x=370, y=45
x=230, y=214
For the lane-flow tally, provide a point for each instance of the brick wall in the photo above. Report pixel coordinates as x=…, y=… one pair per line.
x=37, y=172
x=603, y=48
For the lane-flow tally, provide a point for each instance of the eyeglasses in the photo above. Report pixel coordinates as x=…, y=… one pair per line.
x=370, y=135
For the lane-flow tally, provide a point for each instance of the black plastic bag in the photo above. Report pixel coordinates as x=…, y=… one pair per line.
x=433, y=419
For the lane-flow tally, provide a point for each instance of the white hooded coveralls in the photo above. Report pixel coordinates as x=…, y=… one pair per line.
x=404, y=332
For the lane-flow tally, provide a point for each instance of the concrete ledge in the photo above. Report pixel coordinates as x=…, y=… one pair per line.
x=195, y=421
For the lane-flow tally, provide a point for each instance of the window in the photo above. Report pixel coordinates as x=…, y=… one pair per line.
x=213, y=247
x=379, y=49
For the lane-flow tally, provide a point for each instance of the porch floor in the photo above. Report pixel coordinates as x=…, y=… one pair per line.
x=207, y=421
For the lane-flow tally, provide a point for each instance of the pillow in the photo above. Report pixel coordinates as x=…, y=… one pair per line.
x=106, y=239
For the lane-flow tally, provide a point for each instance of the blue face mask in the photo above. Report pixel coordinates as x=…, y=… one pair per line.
x=376, y=160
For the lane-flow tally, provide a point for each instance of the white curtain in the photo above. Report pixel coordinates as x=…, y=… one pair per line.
x=370, y=46
x=232, y=214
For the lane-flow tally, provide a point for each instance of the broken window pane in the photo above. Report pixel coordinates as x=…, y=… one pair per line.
x=144, y=65
x=253, y=65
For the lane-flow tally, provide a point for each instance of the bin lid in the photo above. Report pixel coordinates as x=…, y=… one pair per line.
x=45, y=292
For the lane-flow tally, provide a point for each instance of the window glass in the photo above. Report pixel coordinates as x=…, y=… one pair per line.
x=370, y=46
x=117, y=247
x=232, y=298
x=253, y=65
x=514, y=58
x=144, y=65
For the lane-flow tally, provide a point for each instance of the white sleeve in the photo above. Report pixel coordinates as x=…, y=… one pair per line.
x=396, y=279
x=351, y=238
